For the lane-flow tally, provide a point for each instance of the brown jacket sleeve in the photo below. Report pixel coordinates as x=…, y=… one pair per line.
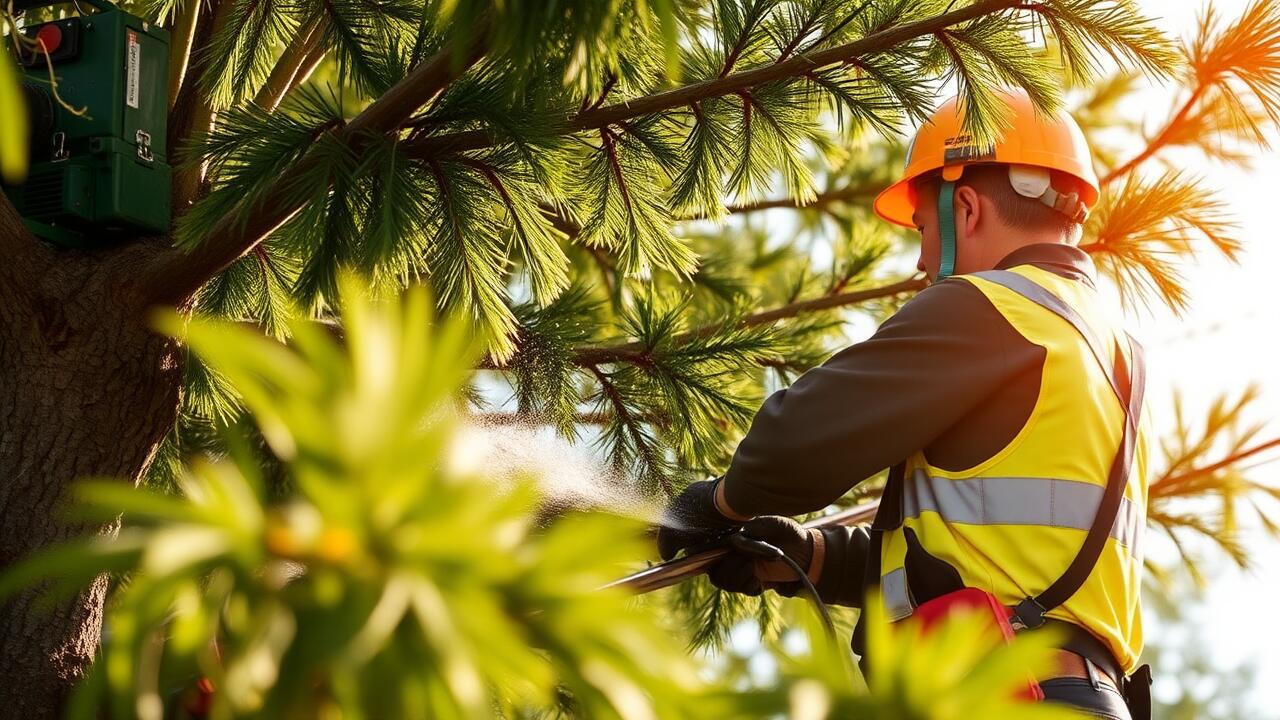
x=840, y=580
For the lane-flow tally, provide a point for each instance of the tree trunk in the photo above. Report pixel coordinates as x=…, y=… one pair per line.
x=86, y=390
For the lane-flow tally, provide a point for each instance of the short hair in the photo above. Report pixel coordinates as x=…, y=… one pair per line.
x=992, y=181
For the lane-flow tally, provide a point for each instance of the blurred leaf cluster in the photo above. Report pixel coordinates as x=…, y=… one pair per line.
x=13, y=115
x=1195, y=681
x=394, y=582
x=1208, y=482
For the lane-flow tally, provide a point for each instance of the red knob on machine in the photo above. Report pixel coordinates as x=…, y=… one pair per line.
x=51, y=36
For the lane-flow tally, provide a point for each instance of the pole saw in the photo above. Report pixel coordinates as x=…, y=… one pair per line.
x=699, y=560
x=673, y=572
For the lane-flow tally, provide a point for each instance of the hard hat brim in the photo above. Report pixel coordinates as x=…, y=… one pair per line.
x=894, y=203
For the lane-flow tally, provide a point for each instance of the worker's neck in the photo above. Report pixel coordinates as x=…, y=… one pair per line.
x=998, y=248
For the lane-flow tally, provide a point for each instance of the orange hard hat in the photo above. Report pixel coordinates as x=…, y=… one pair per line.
x=1052, y=142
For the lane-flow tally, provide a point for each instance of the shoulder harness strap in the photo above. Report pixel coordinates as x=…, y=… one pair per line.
x=1128, y=380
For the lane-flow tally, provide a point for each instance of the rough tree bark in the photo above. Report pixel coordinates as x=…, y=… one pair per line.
x=86, y=390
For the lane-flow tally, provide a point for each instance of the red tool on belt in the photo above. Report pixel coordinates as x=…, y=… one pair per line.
x=982, y=603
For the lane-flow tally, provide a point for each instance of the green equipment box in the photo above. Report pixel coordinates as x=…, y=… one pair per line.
x=104, y=172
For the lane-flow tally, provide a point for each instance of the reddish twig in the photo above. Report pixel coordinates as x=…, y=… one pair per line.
x=1214, y=467
x=1160, y=140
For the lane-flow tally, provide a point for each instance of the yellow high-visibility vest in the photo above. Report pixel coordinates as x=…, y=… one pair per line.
x=1012, y=524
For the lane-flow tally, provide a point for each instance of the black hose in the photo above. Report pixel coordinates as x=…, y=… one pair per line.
x=760, y=548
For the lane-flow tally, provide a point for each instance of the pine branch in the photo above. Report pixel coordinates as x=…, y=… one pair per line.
x=581, y=418
x=807, y=26
x=1198, y=475
x=735, y=52
x=631, y=425
x=830, y=301
x=797, y=66
x=175, y=275
x=609, y=83
x=291, y=63
x=635, y=352
x=1241, y=64
x=1138, y=230
x=847, y=194
x=838, y=27
x=627, y=213
x=1082, y=28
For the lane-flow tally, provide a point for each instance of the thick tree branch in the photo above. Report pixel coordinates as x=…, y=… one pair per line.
x=733, y=83
x=433, y=146
x=181, y=38
x=191, y=113
x=309, y=65
x=291, y=62
x=849, y=193
x=23, y=256
x=638, y=352
x=176, y=274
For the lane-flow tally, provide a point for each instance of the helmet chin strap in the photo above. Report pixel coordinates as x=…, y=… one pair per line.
x=946, y=230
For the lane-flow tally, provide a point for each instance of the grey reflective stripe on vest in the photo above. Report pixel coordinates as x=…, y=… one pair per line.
x=898, y=602
x=1047, y=502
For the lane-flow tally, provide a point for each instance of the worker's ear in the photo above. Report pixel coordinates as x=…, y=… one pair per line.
x=968, y=209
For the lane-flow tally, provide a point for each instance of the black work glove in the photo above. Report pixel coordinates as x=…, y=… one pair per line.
x=749, y=575
x=692, y=519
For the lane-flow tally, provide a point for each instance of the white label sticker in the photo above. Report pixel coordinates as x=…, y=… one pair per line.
x=133, y=67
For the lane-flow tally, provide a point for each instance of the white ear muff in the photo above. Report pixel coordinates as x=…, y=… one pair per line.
x=1033, y=182
x=1029, y=180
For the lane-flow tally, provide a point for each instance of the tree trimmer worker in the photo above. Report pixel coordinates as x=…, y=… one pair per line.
x=1004, y=397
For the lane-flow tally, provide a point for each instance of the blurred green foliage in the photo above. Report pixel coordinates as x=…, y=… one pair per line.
x=13, y=121
x=394, y=583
